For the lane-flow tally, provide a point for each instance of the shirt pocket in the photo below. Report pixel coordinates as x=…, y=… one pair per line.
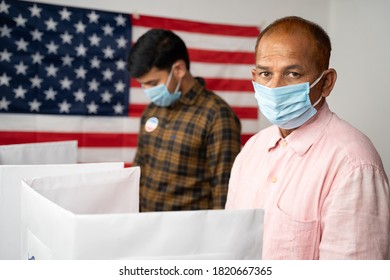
x=289, y=239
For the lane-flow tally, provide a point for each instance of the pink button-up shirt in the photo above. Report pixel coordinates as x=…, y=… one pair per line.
x=323, y=188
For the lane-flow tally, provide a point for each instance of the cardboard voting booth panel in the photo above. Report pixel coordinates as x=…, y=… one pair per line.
x=60, y=152
x=10, y=181
x=94, y=216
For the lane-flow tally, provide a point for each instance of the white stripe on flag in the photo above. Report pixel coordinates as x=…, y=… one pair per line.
x=234, y=98
x=249, y=126
x=55, y=123
x=207, y=41
x=77, y=124
x=222, y=70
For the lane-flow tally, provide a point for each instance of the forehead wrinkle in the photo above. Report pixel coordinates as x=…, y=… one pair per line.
x=285, y=51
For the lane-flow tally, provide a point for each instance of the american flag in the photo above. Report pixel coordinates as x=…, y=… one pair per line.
x=63, y=75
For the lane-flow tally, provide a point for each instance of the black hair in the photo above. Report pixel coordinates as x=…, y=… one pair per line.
x=156, y=48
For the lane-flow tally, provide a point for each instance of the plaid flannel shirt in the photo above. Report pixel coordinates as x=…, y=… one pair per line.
x=186, y=157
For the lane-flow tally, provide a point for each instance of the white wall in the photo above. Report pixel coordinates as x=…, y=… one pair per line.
x=361, y=55
x=359, y=33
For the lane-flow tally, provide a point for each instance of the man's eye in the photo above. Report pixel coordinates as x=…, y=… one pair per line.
x=294, y=75
x=149, y=84
x=264, y=74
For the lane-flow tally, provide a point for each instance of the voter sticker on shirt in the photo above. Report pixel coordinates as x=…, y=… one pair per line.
x=151, y=124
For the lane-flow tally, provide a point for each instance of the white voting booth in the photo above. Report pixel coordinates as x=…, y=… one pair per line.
x=10, y=181
x=13, y=159
x=94, y=216
x=53, y=208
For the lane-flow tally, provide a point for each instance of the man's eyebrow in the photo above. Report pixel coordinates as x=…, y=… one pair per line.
x=261, y=67
x=289, y=67
x=150, y=82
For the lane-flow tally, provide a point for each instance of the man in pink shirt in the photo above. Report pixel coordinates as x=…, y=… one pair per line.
x=321, y=181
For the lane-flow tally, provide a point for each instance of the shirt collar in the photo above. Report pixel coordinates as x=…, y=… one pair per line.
x=302, y=138
x=190, y=97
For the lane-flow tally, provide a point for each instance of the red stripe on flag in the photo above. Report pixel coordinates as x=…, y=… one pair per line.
x=216, y=84
x=197, y=55
x=246, y=112
x=245, y=137
x=192, y=26
x=134, y=83
x=110, y=140
x=135, y=110
x=90, y=140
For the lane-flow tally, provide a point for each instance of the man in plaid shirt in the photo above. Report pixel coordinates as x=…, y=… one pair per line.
x=189, y=136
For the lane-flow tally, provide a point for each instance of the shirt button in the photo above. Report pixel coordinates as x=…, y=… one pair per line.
x=283, y=143
x=274, y=179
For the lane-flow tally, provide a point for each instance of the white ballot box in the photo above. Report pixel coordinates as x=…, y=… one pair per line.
x=10, y=182
x=60, y=152
x=94, y=216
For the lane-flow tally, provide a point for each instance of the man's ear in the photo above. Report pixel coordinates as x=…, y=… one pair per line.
x=330, y=77
x=179, y=69
x=253, y=74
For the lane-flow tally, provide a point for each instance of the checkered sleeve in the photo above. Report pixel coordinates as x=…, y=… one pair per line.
x=224, y=144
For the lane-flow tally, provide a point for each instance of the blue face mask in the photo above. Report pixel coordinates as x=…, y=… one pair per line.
x=160, y=94
x=287, y=107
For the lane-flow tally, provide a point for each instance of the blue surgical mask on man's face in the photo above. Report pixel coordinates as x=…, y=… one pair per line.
x=288, y=107
x=160, y=94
